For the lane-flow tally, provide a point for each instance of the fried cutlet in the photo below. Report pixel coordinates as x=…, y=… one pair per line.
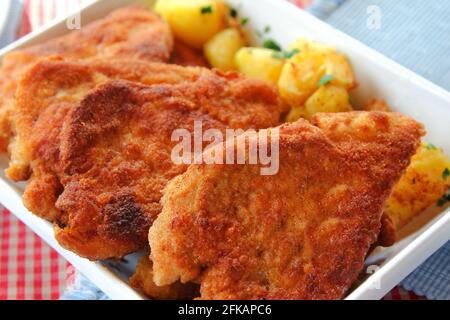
x=300, y=234
x=143, y=281
x=131, y=32
x=52, y=86
x=105, y=159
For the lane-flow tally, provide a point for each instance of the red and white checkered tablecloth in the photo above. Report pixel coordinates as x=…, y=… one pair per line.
x=29, y=268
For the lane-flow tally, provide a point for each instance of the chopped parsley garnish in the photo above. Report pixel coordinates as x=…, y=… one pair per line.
x=445, y=198
x=244, y=21
x=266, y=29
x=233, y=13
x=258, y=34
x=446, y=173
x=350, y=100
x=270, y=44
x=285, y=54
x=431, y=146
x=325, y=79
x=206, y=9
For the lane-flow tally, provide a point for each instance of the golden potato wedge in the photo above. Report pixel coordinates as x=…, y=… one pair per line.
x=259, y=63
x=305, y=45
x=328, y=98
x=425, y=181
x=376, y=105
x=336, y=65
x=221, y=49
x=339, y=67
x=300, y=77
x=193, y=22
x=296, y=113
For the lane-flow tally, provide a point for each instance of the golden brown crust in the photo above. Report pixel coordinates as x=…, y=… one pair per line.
x=142, y=280
x=49, y=88
x=118, y=141
x=129, y=33
x=301, y=234
x=360, y=128
x=56, y=94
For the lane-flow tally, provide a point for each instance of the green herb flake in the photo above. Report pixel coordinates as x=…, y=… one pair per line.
x=271, y=44
x=285, y=54
x=446, y=173
x=325, y=79
x=267, y=29
x=431, y=146
x=244, y=21
x=206, y=9
x=445, y=198
x=233, y=13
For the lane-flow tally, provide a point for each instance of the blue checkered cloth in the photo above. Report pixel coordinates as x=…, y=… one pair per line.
x=9, y=27
x=416, y=34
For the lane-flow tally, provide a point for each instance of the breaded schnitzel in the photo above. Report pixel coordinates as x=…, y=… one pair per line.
x=301, y=234
x=142, y=280
x=131, y=32
x=52, y=86
x=110, y=182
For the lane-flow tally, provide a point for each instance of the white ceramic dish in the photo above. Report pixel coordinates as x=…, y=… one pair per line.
x=378, y=76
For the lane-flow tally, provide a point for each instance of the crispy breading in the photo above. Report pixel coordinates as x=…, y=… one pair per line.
x=131, y=32
x=108, y=199
x=142, y=280
x=184, y=55
x=301, y=234
x=49, y=89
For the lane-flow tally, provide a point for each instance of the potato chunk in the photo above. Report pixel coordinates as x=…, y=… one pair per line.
x=300, y=77
x=328, y=98
x=259, y=63
x=339, y=67
x=193, y=22
x=221, y=49
x=377, y=105
x=305, y=45
x=426, y=180
x=302, y=74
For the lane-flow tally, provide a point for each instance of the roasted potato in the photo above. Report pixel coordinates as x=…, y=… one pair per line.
x=300, y=77
x=376, y=105
x=221, y=49
x=259, y=63
x=336, y=64
x=425, y=181
x=302, y=73
x=339, y=68
x=328, y=98
x=193, y=22
x=305, y=45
